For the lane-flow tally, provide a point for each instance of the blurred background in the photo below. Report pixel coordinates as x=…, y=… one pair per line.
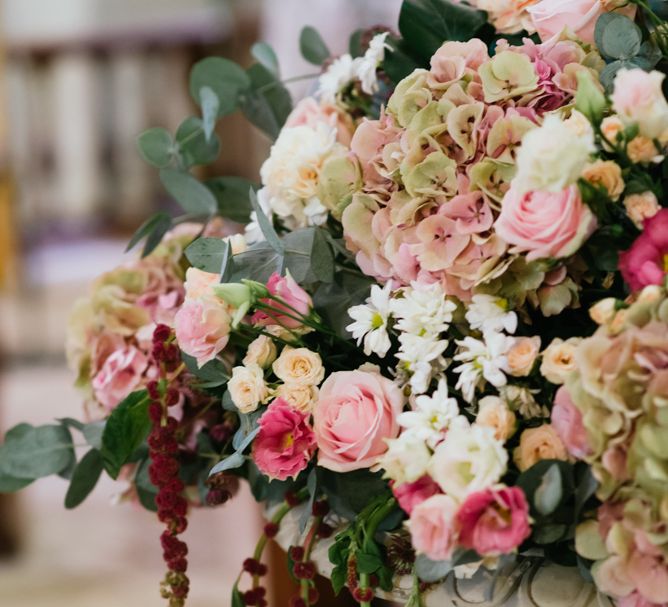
x=79, y=80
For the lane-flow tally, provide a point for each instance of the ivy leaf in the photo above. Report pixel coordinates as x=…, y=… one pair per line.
x=312, y=46
x=84, y=478
x=125, y=430
x=193, y=196
x=224, y=77
x=156, y=147
x=266, y=57
x=153, y=230
x=232, y=196
x=194, y=146
x=210, y=104
x=207, y=254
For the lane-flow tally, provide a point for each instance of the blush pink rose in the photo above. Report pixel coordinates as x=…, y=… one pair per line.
x=494, y=522
x=433, y=527
x=567, y=421
x=285, y=443
x=120, y=375
x=355, y=415
x=295, y=300
x=202, y=328
x=545, y=224
x=409, y=495
x=643, y=264
x=309, y=112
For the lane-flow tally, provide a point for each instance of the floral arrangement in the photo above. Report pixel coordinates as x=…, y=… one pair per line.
x=442, y=335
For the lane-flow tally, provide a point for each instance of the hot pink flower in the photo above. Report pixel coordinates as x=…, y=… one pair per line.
x=297, y=301
x=357, y=411
x=433, y=527
x=545, y=224
x=202, y=328
x=285, y=443
x=645, y=262
x=409, y=495
x=494, y=522
x=120, y=375
x=567, y=421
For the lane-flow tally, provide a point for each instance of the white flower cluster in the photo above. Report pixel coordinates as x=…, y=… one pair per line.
x=345, y=69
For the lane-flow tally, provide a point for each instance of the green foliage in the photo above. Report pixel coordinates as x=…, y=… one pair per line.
x=211, y=375
x=333, y=300
x=153, y=230
x=431, y=571
x=348, y=494
x=312, y=46
x=208, y=254
x=267, y=103
x=195, y=147
x=232, y=196
x=210, y=104
x=266, y=226
x=237, y=599
x=84, y=478
x=193, y=196
x=156, y=147
x=125, y=430
x=266, y=56
x=224, y=77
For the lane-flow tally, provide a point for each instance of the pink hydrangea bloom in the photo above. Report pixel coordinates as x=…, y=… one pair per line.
x=285, y=443
x=567, y=421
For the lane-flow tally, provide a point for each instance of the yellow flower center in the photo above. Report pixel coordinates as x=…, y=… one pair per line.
x=377, y=321
x=288, y=440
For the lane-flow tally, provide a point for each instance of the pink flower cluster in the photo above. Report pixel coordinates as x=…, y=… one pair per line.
x=645, y=262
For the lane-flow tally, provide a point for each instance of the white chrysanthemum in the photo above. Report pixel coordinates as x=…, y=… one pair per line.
x=291, y=174
x=422, y=358
x=488, y=313
x=470, y=459
x=406, y=459
x=482, y=360
x=338, y=75
x=551, y=157
x=431, y=416
x=423, y=309
x=371, y=321
x=367, y=66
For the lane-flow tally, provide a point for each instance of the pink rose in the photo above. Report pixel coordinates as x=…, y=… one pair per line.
x=545, y=224
x=120, y=375
x=285, y=444
x=202, y=328
x=433, y=527
x=643, y=263
x=295, y=300
x=356, y=412
x=309, y=112
x=494, y=522
x=567, y=421
x=409, y=495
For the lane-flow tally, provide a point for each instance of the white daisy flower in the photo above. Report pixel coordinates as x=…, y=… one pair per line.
x=367, y=66
x=338, y=75
x=488, y=313
x=371, y=320
x=423, y=310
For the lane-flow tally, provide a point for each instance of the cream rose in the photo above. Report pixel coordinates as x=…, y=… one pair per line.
x=602, y=312
x=641, y=206
x=522, y=355
x=247, y=388
x=559, y=360
x=261, y=352
x=494, y=413
x=641, y=150
x=299, y=366
x=302, y=398
x=612, y=127
x=607, y=174
x=537, y=444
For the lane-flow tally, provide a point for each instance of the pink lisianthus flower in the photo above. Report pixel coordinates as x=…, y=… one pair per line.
x=120, y=375
x=202, y=328
x=409, y=495
x=567, y=421
x=433, y=527
x=494, y=521
x=285, y=444
x=295, y=300
x=645, y=262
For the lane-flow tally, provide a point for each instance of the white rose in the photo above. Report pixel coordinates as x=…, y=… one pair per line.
x=302, y=398
x=247, y=388
x=406, y=459
x=261, y=352
x=559, y=360
x=299, y=366
x=638, y=99
x=469, y=459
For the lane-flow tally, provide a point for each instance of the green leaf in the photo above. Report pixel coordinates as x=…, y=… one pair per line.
x=259, y=262
x=266, y=226
x=399, y=62
x=34, y=452
x=153, y=229
x=125, y=430
x=224, y=77
x=431, y=571
x=312, y=46
x=338, y=579
x=549, y=493
x=193, y=196
x=210, y=105
x=309, y=256
x=533, y=483
x=236, y=460
x=237, y=599
x=194, y=146
x=213, y=373
x=156, y=147
x=266, y=57
x=10, y=484
x=267, y=104
x=350, y=492
x=549, y=533
x=232, y=196
x=617, y=37
x=368, y=563
x=84, y=478
x=355, y=43
x=93, y=433
x=207, y=254
x=333, y=300
x=426, y=24
x=648, y=56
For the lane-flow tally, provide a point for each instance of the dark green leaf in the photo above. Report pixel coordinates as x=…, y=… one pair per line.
x=368, y=563
x=232, y=196
x=549, y=533
x=237, y=599
x=431, y=571
x=265, y=224
x=648, y=56
x=333, y=300
x=267, y=104
x=210, y=105
x=312, y=46
x=153, y=229
x=266, y=57
x=125, y=430
x=549, y=493
x=70, y=423
x=194, y=146
x=617, y=37
x=156, y=146
x=309, y=256
x=212, y=373
x=224, y=77
x=338, y=579
x=586, y=487
x=193, y=196
x=84, y=478
x=207, y=254
x=355, y=43
x=10, y=484
x=531, y=480
x=398, y=62
x=349, y=493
